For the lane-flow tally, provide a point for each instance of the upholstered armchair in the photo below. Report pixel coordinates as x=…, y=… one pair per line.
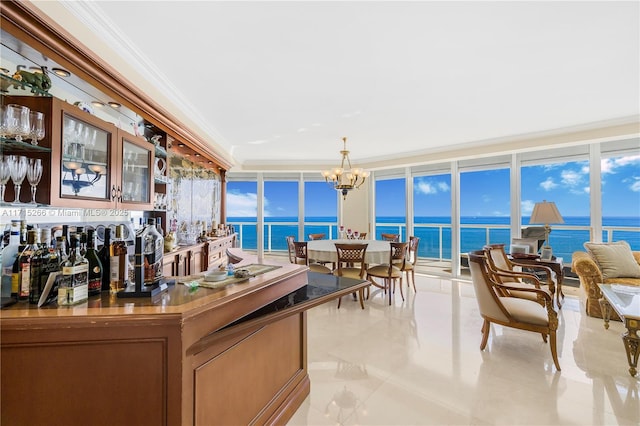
x=605, y=263
x=512, y=312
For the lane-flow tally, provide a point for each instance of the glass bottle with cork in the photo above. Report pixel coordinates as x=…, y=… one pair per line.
x=74, y=286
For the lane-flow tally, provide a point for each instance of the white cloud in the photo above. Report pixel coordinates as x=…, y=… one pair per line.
x=526, y=206
x=241, y=205
x=548, y=184
x=570, y=177
x=244, y=205
x=609, y=165
x=430, y=188
x=635, y=186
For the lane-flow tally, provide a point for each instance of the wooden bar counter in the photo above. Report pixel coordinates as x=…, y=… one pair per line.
x=228, y=356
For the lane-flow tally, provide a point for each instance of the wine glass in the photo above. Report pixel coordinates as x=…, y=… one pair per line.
x=36, y=133
x=349, y=232
x=356, y=235
x=341, y=231
x=19, y=166
x=5, y=174
x=34, y=174
x=21, y=121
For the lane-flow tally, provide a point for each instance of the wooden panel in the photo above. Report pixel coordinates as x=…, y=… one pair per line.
x=244, y=381
x=79, y=383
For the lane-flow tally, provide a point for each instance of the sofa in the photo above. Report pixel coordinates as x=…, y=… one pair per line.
x=605, y=263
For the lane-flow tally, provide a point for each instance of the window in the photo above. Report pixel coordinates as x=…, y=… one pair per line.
x=242, y=211
x=432, y=215
x=391, y=215
x=320, y=209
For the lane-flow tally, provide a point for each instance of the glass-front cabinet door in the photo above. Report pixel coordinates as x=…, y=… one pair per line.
x=136, y=173
x=85, y=160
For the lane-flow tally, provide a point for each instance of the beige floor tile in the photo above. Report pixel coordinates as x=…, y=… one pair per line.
x=418, y=362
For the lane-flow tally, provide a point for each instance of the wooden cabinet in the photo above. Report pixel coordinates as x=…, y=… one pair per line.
x=88, y=163
x=191, y=260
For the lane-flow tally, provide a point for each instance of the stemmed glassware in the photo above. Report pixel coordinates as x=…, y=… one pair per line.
x=36, y=132
x=20, y=124
x=349, y=232
x=356, y=235
x=19, y=165
x=341, y=231
x=34, y=174
x=5, y=174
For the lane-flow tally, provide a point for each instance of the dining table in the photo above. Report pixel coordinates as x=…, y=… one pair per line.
x=325, y=250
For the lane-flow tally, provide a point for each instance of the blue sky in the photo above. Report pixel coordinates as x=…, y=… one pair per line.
x=483, y=193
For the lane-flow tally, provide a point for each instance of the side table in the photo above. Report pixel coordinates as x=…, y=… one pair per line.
x=555, y=265
x=625, y=300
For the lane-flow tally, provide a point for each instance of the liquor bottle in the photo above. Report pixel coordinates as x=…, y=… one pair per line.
x=26, y=256
x=9, y=254
x=65, y=235
x=83, y=241
x=50, y=261
x=153, y=249
x=74, y=286
x=39, y=257
x=104, y=256
x=16, y=274
x=61, y=250
x=118, y=262
x=95, y=265
x=23, y=232
x=159, y=226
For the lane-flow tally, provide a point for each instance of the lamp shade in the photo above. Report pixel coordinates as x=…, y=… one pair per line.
x=545, y=213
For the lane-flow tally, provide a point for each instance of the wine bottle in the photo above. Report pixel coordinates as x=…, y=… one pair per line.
x=24, y=263
x=95, y=265
x=83, y=241
x=74, y=286
x=118, y=262
x=65, y=235
x=104, y=256
x=39, y=255
x=153, y=249
x=50, y=261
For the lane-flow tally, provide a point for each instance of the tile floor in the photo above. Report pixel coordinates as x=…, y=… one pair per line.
x=418, y=362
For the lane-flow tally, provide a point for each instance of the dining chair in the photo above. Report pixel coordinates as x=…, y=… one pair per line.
x=409, y=267
x=232, y=258
x=391, y=237
x=392, y=271
x=523, y=314
x=316, y=237
x=292, y=250
x=503, y=270
x=350, y=255
x=301, y=258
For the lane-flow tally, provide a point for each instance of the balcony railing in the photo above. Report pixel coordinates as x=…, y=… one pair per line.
x=435, y=238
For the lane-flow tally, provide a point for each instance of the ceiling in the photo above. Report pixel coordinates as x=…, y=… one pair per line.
x=278, y=84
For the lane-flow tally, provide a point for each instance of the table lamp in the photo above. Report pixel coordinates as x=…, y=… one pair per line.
x=546, y=213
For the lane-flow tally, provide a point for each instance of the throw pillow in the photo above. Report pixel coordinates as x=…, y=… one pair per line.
x=614, y=259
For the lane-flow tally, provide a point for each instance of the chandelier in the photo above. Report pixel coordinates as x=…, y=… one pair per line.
x=344, y=180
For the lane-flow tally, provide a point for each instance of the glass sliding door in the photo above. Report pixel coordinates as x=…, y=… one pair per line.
x=432, y=217
x=280, y=213
x=560, y=176
x=390, y=207
x=320, y=210
x=484, y=206
x=620, y=175
x=242, y=208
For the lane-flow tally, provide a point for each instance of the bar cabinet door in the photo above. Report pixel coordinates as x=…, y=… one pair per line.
x=136, y=174
x=85, y=161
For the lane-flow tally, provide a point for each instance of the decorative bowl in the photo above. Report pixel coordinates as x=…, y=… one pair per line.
x=215, y=275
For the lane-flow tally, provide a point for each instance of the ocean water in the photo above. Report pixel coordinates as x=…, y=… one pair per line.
x=435, y=232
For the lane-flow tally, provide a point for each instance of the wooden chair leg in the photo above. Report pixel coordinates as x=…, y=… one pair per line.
x=401, y=295
x=486, y=327
x=339, y=302
x=544, y=337
x=554, y=349
x=361, y=294
x=413, y=280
